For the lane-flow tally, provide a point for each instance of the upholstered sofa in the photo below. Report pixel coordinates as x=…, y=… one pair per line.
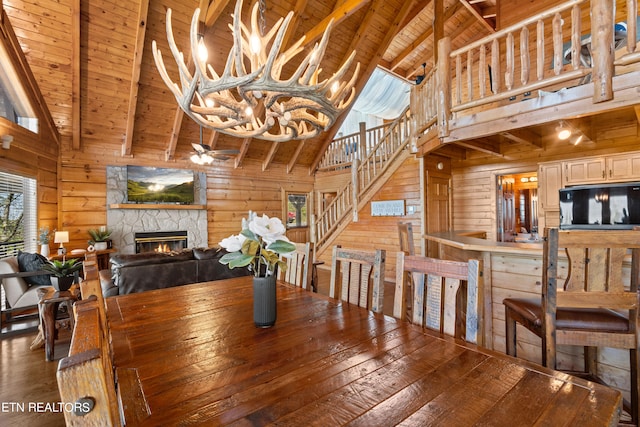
x=142, y=272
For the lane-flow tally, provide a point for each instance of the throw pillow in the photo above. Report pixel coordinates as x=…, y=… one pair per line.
x=33, y=262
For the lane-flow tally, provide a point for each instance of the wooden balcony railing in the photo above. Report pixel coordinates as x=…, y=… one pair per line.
x=546, y=51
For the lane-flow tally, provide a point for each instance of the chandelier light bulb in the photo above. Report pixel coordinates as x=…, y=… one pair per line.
x=334, y=87
x=254, y=44
x=203, y=54
x=248, y=111
x=209, y=102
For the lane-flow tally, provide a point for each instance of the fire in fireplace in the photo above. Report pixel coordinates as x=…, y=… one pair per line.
x=160, y=241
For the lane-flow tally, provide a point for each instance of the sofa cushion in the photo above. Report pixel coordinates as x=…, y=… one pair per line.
x=130, y=260
x=28, y=262
x=208, y=253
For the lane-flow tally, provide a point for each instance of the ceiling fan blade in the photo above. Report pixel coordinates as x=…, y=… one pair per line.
x=224, y=152
x=199, y=148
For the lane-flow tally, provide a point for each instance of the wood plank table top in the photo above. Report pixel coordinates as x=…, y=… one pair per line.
x=201, y=361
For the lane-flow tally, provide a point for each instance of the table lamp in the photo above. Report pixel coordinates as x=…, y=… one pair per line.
x=61, y=237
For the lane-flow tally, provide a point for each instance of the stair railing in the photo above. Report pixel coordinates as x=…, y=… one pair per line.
x=371, y=161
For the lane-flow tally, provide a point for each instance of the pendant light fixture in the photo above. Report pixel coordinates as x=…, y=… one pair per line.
x=249, y=99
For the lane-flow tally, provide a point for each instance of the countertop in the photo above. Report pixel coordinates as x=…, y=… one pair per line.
x=462, y=239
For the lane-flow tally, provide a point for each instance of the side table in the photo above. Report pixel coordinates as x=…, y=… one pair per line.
x=50, y=301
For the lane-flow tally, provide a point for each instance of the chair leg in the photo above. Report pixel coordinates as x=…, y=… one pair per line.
x=591, y=361
x=510, y=332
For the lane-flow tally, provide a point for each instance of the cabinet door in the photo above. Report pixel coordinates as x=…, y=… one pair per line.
x=585, y=171
x=623, y=168
x=549, y=182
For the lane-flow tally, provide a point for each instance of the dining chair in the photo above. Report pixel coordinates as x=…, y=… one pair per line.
x=357, y=277
x=405, y=235
x=299, y=269
x=592, y=307
x=444, y=294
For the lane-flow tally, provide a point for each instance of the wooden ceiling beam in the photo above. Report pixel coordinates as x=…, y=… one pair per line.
x=341, y=13
x=76, y=78
x=294, y=158
x=524, y=136
x=244, y=148
x=395, y=63
x=213, y=11
x=138, y=49
x=484, y=145
x=270, y=155
x=364, y=76
x=489, y=23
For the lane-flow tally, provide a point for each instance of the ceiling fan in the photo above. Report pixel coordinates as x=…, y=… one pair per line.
x=203, y=154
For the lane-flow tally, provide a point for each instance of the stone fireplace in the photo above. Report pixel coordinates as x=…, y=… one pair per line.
x=126, y=220
x=160, y=241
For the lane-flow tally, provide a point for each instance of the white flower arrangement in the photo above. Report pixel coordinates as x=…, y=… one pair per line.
x=260, y=243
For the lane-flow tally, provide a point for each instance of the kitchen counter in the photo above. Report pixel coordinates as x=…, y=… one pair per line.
x=468, y=241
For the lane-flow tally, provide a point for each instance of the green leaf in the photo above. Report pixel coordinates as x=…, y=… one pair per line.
x=250, y=247
x=249, y=234
x=236, y=259
x=282, y=265
x=282, y=247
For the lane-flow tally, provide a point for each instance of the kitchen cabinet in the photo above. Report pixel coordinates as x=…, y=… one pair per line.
x=617, y=168
x=585, y=171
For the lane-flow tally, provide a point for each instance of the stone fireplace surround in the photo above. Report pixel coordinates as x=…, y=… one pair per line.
x=124, y=223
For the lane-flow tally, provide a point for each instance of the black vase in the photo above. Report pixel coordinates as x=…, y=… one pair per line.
x=264, y=301
x=62, y=283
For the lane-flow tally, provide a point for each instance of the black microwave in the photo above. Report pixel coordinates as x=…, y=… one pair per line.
x=602, y=206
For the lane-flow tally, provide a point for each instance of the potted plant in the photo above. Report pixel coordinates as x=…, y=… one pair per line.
x=44, y=237
x=99, y=238
x=63, y=273
x=259, y=246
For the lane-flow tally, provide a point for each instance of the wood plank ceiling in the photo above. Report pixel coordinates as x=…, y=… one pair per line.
x=125, y=106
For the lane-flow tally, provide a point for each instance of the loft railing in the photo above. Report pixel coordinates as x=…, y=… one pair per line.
x=545, y=51
x=343, y=150
x=364, y=173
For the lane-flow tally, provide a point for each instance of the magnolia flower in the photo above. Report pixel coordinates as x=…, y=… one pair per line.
x=233, y=243
x=258, y=246
x=270, y=229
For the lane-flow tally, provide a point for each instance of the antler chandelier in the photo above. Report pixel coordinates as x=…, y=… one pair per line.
x=249, y=99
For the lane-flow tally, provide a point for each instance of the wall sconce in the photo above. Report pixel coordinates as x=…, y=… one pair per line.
x=6, y=141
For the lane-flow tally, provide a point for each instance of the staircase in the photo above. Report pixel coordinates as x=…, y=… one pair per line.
x=372, y=162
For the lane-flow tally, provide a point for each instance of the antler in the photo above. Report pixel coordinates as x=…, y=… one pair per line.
x=297, y=108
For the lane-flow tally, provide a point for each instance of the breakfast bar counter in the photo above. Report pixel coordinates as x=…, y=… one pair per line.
x=509, y=269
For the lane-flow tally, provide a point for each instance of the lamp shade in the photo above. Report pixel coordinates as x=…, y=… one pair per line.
x=61, y=237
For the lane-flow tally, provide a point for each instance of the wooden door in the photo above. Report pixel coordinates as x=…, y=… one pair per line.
x=438, y=212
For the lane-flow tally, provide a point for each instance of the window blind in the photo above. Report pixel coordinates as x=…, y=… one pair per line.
x=24, y=191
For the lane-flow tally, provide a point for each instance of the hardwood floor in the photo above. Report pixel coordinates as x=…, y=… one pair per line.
x=26, y=378
x=29, y=391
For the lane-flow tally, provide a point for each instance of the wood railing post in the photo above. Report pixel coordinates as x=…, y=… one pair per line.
x=354, y=183
x=363, y=140
x=444, y=86
x=602, y=49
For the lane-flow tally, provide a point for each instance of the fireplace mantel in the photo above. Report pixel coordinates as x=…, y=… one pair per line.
x=155, y=206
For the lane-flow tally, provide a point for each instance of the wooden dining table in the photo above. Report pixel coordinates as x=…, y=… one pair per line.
x=200, y=360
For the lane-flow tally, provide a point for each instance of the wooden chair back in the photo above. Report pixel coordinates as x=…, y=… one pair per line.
x=444, y=294
x=405, y=234
x=594, y=279
x=299, y=268
x=90, y=266
x=357, y=277
x=86, y=377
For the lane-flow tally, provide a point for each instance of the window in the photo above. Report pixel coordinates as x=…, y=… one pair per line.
x=18, y=222
x=297, y=210
x=14, y=104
